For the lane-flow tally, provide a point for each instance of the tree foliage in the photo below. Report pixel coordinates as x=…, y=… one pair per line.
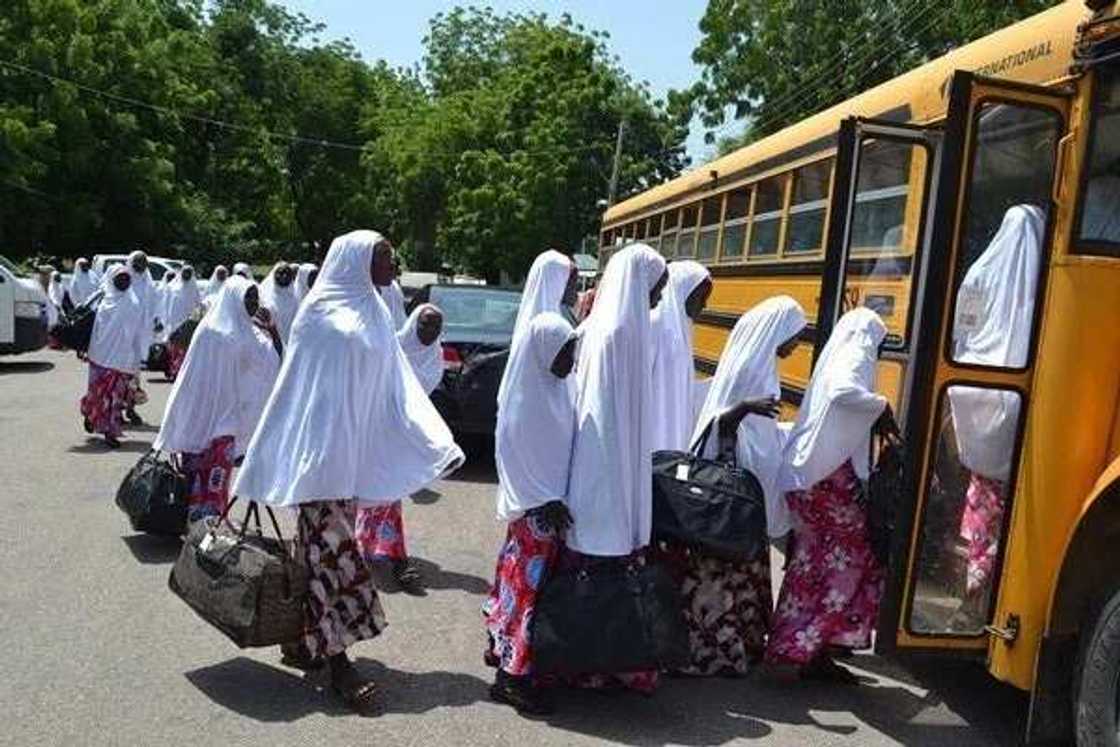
x=770, y=63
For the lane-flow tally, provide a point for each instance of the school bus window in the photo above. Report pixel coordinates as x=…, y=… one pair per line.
x=669, y=233
x=735, y=224
x=807, y=207
x=708, y=240
x=1001, y=250
x=653, y=234
x=766, y=228
x=640, y=230
x=686, y=239
x=1099, y=232
x=606, y=241
x=879, y=216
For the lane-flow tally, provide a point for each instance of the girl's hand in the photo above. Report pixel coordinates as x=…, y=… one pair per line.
x=767, y=407
x=886, y=426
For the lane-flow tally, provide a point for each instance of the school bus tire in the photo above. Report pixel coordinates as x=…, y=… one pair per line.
x=1097, y=700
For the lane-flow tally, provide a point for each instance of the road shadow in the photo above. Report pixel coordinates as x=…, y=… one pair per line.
x=142, y=428
x=271, y=694
x=25, y=367
x=426, y=497
x=432, y=576
x=480, y=471
x=151, y=549
x=163, y=380
x=97, y=446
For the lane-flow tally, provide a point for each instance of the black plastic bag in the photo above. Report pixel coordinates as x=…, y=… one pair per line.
x=881, y=494
x=154, y=496
x=75, y=328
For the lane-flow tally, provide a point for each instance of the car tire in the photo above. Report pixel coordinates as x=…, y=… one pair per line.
x=1097, y=695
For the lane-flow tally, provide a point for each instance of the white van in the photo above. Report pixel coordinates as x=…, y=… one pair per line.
x=23, y=312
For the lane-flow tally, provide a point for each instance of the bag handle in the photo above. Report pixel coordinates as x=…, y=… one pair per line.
x=254, y=512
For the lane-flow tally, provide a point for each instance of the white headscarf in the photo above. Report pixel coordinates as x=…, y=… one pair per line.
x=148, y=295
x=55, y=290
x=426, y=360
x=119, y=340
x=995, y=312
x=82, y=284
x=393, y=297
x=303, y=279
x=182, y=298
x=346, y=419
x=536, y=420
x=225, y=380
x=214, y=286
x=748, y=369
x=243, y=269
x=673, y=371
x=609, y=492
x=544, y=291
x=840, y=405
x=281, y=302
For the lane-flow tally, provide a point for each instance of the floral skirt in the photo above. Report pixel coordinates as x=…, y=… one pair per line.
x=342, y=605
x=526, y=558
x=209, y=475
x=176, y=354
x=727, y=608
x=380, y=531
x=107, y=397
x=981, y=527
x=833, y=584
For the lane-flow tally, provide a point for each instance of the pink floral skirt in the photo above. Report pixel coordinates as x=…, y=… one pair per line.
x=108, y=394
x=833, y=584
x=209, y=475
x=526, y=559
x=380, y=531
x=981, y=527
x=176, y=354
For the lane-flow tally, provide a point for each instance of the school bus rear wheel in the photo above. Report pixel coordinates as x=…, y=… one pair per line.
x=1097, y=705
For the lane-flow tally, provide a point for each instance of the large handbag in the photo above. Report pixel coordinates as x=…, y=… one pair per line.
x=246, y=585
x=880, y=497
x=711, y=505
x=154, y=496
x=184, y=333
x=75, y=329
x=617, y=616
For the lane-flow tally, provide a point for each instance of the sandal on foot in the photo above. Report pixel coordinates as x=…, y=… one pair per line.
x=827, y=670
x=301, y=660
x=408, y=576
x=87, y=424
x=134, y=417
x=112, y=442
x=358, y=694
x=519, y=693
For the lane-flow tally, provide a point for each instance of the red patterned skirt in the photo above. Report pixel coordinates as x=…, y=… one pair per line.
x=833, y=584
x=342, y=604
x=108, y=394
x=526, y=559
x=981, y=527
x=176, y=354
x=380, y=531
x=209, y=475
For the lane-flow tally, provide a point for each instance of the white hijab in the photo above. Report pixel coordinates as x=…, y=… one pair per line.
x=243, y=269
x=303, y=279
x=673, y=371
x=840, y=405
x=214, y=287
x=426, y=360
x=995, y=310
x=149, y=296
x=281, y=302
x=748, y=369
x=544, y=292
x=346, y=418
x=82, y=284
x=536, y=420
x=55, y=290
x=119, y=341
x=609, y=491
x=225, y=380
x=393, y=297
x=182, y=298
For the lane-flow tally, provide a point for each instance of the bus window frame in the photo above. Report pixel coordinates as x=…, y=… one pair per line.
x=824, y=203
x=1077, y=246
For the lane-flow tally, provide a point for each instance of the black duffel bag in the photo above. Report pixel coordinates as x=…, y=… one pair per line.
x=881, y=493
x=707, y=504
x=246, y=585
x=154, y=496
x=157, y=357
x=617, y=616
x=75, y=328
x=184, y=333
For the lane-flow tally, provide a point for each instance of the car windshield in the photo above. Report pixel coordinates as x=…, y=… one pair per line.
x=472, y=311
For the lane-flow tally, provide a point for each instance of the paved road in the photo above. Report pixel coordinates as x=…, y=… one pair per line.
x=97, y=651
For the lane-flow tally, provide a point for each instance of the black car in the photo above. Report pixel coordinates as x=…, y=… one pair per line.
x=478, y=324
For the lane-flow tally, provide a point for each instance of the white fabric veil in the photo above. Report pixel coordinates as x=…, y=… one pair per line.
x=673, y=370
x=393, y=297
x=118, y=340
x=609, y=491
x=225, y=379
x=544, y=291
x=748, y=369
x=426, y=360
x=536, y=419
x=347, y=417
x=214, y=285
x=82, y=284
x=303, y=279
x=146, y=292
x=183, y=297
x=244, y=270
x=281, y=302
x=840, y=405
x=995, y=310
x=56, y=291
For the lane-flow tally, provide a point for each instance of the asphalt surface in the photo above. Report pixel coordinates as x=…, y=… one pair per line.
x=97, y=651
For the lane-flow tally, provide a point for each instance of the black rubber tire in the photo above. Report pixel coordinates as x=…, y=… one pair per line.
x=1097, y=703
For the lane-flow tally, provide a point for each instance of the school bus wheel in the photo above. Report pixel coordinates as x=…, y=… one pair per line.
x=1097, y=703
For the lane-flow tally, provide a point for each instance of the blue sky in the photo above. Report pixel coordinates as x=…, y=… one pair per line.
x=653, y=38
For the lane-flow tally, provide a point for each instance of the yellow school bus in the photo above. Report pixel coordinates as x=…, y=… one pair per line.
x=887, y=200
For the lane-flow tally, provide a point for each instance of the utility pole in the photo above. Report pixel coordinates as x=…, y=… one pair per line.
x=612, y=192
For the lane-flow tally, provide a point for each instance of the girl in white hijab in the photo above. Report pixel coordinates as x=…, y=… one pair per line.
x=830, y=594
x=214, y=285
x=387, y=286
x=346, y=423
x=609, y=492
x=305, y=279
x=380, y=529
x=243, y=269
x=84, y=282
x=115, y=350
x=728, y=603
x=533, y=444
x=685, y=296
x=56, y=294
x=184, y=301
x=278, y=295
x=994, y=315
